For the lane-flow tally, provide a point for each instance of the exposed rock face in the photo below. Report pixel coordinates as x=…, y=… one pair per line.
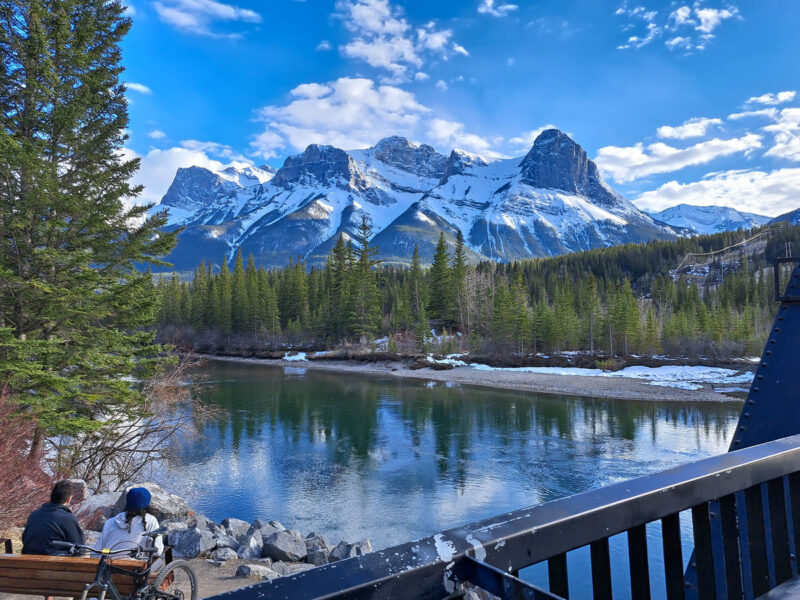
x=556, y=162
x=459, y=161
x=420, y=160
x=323, y=165
x=195, y=188
x=792, y=217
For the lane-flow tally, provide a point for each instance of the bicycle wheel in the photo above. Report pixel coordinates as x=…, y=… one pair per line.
x=177, y=579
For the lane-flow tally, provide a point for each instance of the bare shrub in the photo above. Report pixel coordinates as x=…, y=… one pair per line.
x=123, y=449
x=22, y=478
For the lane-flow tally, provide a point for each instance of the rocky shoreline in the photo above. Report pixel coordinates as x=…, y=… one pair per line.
x=261, y=550
x=431, y=370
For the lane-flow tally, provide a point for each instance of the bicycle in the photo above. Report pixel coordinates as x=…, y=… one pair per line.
x=175, y=581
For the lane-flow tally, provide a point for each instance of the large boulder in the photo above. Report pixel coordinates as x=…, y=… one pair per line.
x=318, y=549
x=224, y=540
x=191, y=543
x=285, y=545
x=346, y=550
x=260, y=572
x=236, y=528
x=163, y=505
x=95, y=510
x=252, y=545
x=284, y=568
x=223, y=554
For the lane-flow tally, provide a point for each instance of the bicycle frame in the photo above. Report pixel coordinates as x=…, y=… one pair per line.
x=104, y=583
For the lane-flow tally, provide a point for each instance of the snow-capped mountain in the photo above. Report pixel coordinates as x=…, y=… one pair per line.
x=792, y=217
x=708, y=219
x=549, y=202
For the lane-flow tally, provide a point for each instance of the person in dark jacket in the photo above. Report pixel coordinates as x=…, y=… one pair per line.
x=53, y=521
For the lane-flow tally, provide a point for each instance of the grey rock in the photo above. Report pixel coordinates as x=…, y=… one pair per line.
x=277, y=525
x=284, y=545
x=175, y=524
x=224, y=540
x=236, y=527
x=163, y=504
x=318, y=557
x=96, y=509
x=284, y=568
x=317, y=542
x=223, y=554
x=191, y=543
x=346, y=550
x=260, y=572
x=251, y=545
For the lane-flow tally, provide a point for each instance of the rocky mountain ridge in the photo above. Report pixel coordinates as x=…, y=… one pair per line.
x=551, y=201
x=709, y=219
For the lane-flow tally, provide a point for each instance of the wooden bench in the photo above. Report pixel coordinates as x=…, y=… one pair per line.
x=35, y=575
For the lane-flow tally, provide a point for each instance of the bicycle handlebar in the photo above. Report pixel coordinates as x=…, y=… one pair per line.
x=132, y=551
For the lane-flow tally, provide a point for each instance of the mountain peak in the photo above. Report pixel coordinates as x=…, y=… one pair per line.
x=326, y=164
x=558, y=162
x=419, y=159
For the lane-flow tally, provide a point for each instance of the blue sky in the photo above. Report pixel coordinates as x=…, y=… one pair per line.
x=677, y=101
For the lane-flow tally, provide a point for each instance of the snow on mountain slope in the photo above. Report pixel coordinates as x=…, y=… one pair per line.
x=551, y=201
x=708, y=219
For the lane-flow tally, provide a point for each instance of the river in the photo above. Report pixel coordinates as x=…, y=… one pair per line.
x=368, y=457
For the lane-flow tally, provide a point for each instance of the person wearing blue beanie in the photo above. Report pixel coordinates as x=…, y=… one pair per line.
x=127, y=529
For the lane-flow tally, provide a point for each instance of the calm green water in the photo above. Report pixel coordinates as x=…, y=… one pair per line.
x=356, y=457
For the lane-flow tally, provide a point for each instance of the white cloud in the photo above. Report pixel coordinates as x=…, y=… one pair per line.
x=324, y=46
x=215, y=149
x=487, y=7
x=692, y=27
x=384, y=39
x=625, y=164
x=157, y=134
x=524, y=141
x=129, y=10
x=138, y=87
x=764, y=192
x=442, y=85
x=198, y=16
x=770, y=113
x=452, y=134
x=786, y=130
x=347, y=113
x=420, y=76
x=773, y=99
x=711, y=18
x=692, y=128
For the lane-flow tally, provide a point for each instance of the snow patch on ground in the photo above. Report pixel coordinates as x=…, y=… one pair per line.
x=683, y=377
x=300, y=356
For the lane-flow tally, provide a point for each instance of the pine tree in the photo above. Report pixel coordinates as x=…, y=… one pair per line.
x=440, y=281
x=74, y=309
x=239, y=301
x=365, y=297
x=459, y=305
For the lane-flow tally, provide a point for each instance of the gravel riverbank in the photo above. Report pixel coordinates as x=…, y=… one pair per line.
x=623, y=388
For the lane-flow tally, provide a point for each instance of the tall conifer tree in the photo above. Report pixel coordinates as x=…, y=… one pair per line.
x=72, y=305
